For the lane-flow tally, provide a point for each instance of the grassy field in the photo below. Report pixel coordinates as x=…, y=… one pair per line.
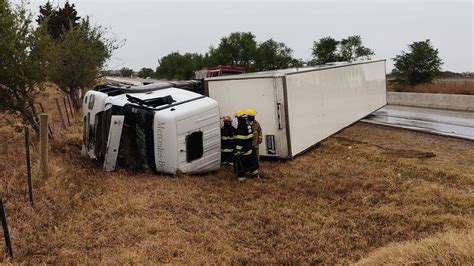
x=369, y=194
x=448, y=85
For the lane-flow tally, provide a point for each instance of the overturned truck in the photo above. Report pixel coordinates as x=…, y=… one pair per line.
x=156, y=126
x=299, y=107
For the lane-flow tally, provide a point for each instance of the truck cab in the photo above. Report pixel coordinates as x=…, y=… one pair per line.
x=165, y=129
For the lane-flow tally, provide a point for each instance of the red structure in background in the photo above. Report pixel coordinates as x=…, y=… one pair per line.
x=219, y=71
x=224, y=70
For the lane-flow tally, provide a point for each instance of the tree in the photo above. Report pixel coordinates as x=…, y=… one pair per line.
x=171, y=66
x=178, y=66
x=420, y=64
x=274, y=55
x=146, y=73
x=58, y=21
x=126, y=72
x=237, y=49
x=324, y=51
x=350, y=49
x=80, y=49
x=78, y=58
x=23, y=62
x=46, y=11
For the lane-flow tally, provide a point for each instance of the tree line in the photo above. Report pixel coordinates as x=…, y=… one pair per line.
x=420, y=64
x=242, y=49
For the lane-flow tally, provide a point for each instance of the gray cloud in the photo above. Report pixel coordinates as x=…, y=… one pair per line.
x=155, y=28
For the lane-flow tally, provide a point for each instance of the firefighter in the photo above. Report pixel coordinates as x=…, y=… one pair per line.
x=227, y=145
x=256, y=131
x=243, y=146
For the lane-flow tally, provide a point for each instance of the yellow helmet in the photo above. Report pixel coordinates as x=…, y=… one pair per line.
x=240, y=113
x=251, y=112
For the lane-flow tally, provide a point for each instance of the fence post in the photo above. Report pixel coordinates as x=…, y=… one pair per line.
x=49, y=126
x=61, y=116
x=28, y=164
x=70, y=106
x=6, y=233
x=66, y=111
x=44, y=146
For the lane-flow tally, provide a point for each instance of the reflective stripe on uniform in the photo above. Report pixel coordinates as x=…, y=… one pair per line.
x=238, y=147
x=246, y=153
x=226, y=138
x=249, y=136
x=227, y=150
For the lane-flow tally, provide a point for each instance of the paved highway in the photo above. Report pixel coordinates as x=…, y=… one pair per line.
x=458, y=124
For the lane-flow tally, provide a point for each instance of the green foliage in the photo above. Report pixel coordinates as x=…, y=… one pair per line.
x=110, y=73
x=237, y=49
x=181, y=67
x=275, y=55
x=79, y=49
x=126, y=72
x=58, y=21
x=146, y=73
x=23, y=62
x=350, y=49
x=325, y=50
x=68, y=53
x=78, y=57
x=420, y=64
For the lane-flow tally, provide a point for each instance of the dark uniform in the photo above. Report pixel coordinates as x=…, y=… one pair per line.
x=227, y=145
x=244, y=162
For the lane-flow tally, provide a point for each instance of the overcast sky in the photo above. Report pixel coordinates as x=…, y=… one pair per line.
x=153, y=29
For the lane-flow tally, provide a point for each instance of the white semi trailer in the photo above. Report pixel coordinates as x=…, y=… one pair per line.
x=297, y=108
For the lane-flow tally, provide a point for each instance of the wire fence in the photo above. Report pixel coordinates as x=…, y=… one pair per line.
x=13, y=165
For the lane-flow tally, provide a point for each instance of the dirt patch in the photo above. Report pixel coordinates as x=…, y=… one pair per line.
x=409, y=153
x=402, y=153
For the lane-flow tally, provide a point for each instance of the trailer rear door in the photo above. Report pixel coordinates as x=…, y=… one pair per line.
x=264, y=95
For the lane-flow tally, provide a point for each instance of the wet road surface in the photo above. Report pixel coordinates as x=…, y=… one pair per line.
x=451, y=123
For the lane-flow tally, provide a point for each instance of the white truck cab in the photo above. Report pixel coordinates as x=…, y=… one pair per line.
x=157, y=127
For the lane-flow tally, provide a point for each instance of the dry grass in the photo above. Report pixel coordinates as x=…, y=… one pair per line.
x=449, y=86
x=353, y=194
x=451, y=248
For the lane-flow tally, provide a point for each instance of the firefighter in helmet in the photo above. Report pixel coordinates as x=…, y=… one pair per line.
x=256, y=131
x=243, y=146
x=256, y=140
x=227, y=138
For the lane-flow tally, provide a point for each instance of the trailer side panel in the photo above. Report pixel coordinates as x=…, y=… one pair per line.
x=320, y=103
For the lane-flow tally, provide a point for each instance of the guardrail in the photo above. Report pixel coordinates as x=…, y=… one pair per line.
x=432, y=100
